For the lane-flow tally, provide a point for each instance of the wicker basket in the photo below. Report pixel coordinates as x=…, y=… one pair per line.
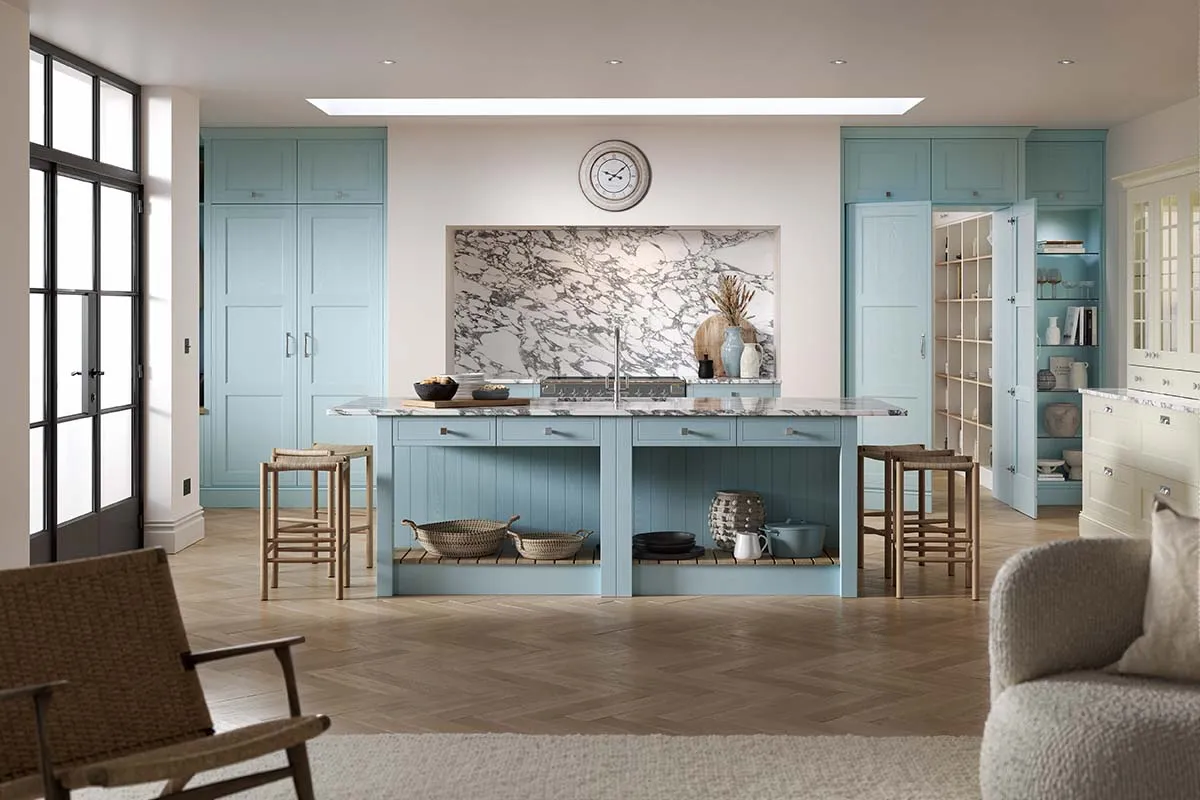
x=549, y=546
x=461, y=538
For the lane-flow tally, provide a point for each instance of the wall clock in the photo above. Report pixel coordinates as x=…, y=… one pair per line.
x=614, y=175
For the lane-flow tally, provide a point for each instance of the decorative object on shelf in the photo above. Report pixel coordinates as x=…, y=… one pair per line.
x=732, y=298
x=795, y=539
x=1061, y=420
x=731, y=352
x=710, y=337
x=664, y=542
x=436, y=388
x=1079, y=375
x=1054, y=278
x=687, y=555
x=704, y=367
x=491, y=391
x=1053, y=332
x=1045, y=380
x=1074, y=462
x=1061, y=367
x=1047, y=466
x=614, y=175
x=748, y=545
x=461, y=538
x=549, y=546
x=734, y=510
x=751, y=361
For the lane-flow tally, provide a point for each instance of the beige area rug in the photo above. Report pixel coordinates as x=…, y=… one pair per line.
x=521, y=767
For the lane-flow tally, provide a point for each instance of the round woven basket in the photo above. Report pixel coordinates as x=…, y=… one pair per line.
x=549, y=546
x=732, y=511
x=461, y=538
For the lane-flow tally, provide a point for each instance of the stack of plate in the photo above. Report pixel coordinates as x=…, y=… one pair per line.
x=467, y=383
x=666, y=546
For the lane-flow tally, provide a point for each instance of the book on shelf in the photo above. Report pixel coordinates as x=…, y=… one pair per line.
x=1082, y=326
x=1053, y=246
x=1053, y=477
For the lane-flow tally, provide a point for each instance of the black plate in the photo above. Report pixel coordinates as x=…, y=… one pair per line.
x=647, y=555
x=665, y=541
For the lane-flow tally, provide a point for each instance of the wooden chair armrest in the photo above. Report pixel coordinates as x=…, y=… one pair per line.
x=34, y=690
x=217, y=654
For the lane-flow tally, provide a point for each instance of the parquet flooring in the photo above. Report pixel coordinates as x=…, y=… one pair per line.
x=873, y=665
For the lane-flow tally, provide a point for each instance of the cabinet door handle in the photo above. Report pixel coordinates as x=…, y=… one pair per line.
x=887, y=194
x=1166, y=382
x=1108, y=409
x=1164, y=420
x=548, y=432
x=287, y=346
x=1165, y=491
x=789, y=432
x=1012, y=392
x=1108, y=472
x=341, y=195
x=684, y=432
x=1058, y=195
x=975, y=193
x=255, y=194
x=1012, y=469
x=307, y=343
x=1012, y=298
x=1137, y=378
x=922, y=347
x=443, y=431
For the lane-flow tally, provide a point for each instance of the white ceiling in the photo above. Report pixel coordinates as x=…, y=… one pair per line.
x=977, y=63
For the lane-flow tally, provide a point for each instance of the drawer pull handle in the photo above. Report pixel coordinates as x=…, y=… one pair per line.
x=548, y=431
x=789, y=432
x=1137, y=378
x=1108, y=409
x=1165, y=491
x=256, y=194
x=1108, y=472
x=1196, y=386
x=1166, y=382
x=1164, y=420
x=887, y=194
x=684, y=432
x=443, y=431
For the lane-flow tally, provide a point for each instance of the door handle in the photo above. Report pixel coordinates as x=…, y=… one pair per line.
x=1012, y=392
x=1108, y=409
x=95, y=373
x=1108, y=472
x=73, y=374
x=287, y=346
x=922, y=347
x=1165, y=491
x=307, y=343
x=1012, y=469
x=1012, y=299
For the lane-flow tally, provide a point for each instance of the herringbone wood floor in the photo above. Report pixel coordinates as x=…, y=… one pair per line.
x=873, y=665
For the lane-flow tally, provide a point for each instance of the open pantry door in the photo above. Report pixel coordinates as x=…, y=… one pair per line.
x=1015, y=337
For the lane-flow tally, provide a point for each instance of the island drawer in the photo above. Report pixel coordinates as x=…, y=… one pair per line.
x=683, y=431
x=548, y=431
x=790, y=432
x=732, y=390
x=445, y=431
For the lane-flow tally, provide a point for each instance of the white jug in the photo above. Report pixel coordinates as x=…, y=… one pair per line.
x=1079, y=375
x=1053, y=332
x=751, y=361
x=748, y=545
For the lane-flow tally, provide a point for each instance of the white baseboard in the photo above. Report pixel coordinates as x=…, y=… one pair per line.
x=175, y=535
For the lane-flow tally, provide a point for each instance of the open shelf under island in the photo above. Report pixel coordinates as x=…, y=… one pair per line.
x=619, y=470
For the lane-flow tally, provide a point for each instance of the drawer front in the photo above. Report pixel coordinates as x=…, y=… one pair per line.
x=1170, y=444
x=789, y=432
x=1185, y=497
x=1110, y=494
x=885, y=170
x=548, y=431
x=1180, y=383
x=683, y=431
x=732, y=390
x=1110, y=428
x=445, y=431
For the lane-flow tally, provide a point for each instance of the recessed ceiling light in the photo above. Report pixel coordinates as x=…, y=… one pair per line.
x=612, y=62
x=387, y=62
x=1066, y=61
x=614, y=106
x=838, y=61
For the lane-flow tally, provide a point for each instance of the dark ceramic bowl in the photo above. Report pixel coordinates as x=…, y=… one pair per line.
x=665, y=542
x=435, y=391
x=490, y=394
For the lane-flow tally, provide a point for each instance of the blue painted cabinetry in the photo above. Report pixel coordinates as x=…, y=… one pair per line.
x=974, y=170
x=733, y=390
x=1065, y=173
x=340, y=171
x=250, y=171
x=881, y=170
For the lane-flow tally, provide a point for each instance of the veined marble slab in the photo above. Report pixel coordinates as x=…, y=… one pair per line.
x=730, y=381
x=1164, y=401
x=675, y=407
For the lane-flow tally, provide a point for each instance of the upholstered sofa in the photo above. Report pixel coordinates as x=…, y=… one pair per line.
x=1061, y=727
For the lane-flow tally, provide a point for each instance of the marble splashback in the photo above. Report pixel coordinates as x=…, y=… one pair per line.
x=543, y=302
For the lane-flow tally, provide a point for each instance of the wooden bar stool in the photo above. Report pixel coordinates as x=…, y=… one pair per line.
x=885, y=454
x=950, y=539
x=367, y=523
x=303, y=540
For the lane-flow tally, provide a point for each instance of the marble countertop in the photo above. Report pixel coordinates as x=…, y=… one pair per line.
x=747, y=381
x=1164, y=401
x=676, y=407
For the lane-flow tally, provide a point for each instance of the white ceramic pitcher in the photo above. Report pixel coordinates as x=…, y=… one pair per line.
x=748, y=545
x=751, y=359
x=1079, y=375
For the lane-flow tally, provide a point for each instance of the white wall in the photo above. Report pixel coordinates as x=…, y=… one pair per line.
x=1154, y=140
x=523, y=174
x=14, y=284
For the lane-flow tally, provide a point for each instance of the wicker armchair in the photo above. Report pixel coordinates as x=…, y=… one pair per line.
x=109, y=692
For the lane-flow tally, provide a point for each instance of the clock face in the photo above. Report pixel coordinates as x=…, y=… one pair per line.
x=614, y=175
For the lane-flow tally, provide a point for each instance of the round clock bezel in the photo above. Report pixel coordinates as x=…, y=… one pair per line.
x=630, y=151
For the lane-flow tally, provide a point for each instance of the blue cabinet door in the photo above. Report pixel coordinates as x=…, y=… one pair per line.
x=1065, y=173
x=251, y=171
x=255, y=349
x=341, y=171
x=340, y=296
x=975, y=170
x=882, y=170
x=889, y=260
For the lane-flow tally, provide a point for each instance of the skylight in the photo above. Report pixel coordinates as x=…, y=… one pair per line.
x=614, y=106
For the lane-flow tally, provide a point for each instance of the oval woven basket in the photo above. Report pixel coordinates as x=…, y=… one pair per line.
x=461, y=538
x=549, y=546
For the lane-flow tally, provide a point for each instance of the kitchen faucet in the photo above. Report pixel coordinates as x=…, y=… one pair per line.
x=617, y=367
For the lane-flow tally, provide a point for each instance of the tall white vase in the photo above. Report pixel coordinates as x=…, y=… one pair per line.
x=751, y=362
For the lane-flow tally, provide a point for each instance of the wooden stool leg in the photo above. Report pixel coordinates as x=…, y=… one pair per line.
x=889, y=522
x=329, y=512
x=275, y=529
x=347, y=523
x=371, y=510
x=335, y=514
x=314, y=508
x=951, y=496
x=898, y=531
x=862, y=507
x=920, y=515
x=263, y=535
x=975, y=534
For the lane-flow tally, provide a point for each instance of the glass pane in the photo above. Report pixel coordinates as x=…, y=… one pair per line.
x=116, y=457
x=37, y=98
x=73, y=113
x=1168, y=268
x=75, y=263
x=72, y=357
x=116, y=240
x=37, y=357
x=116, y=351
x=74, y=464
x=1140, y=218
x=37, y=480
x=37, y=229
x=116, y=126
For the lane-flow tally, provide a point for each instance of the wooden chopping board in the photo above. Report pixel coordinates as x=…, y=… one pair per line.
x=711, y=335
x=512, y=401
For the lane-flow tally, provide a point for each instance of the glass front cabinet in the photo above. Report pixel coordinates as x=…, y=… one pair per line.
x=1162, y=250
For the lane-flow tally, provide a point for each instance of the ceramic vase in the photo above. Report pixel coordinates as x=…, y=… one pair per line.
x=751, y=362
x=1046, y=380
x=732, y=511
x=1053, y=333
x=731, y=352
x=1061, y=420
x=1079, y=378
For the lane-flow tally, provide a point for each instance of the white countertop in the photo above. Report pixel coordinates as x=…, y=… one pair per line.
x=1164, y=401
x=747, y=381
x=674, y=407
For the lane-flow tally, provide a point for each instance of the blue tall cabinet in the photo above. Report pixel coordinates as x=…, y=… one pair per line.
x=1040, y=184
x=293, y=297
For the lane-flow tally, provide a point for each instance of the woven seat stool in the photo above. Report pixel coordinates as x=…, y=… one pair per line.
x=951, y=539
x=883, y=453
x=304, y=540
x=367, y=523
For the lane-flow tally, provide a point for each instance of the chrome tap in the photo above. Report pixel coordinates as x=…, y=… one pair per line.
x=617, y=367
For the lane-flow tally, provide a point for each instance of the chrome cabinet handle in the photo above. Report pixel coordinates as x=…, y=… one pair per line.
x=1058, y=195
x=975, y=193
x=1164, y=420
x=1166, y=382
x=887, y=194
x=1011, y=469
x=1108, y=472
x=1012, y=392
x=1137, y=378
x=256, y=194
x=1165, y=491
x=790, y=432
x=922, y=347
x=1196, y=386
x=341, y=195
x=548, y=432
x=307, y=343
x=443, y=431
x=1108, y=409
x=1012, y=298
x=684, y=432
x=287, y=346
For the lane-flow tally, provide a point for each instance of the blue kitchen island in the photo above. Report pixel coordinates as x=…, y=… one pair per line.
x=617, y=469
